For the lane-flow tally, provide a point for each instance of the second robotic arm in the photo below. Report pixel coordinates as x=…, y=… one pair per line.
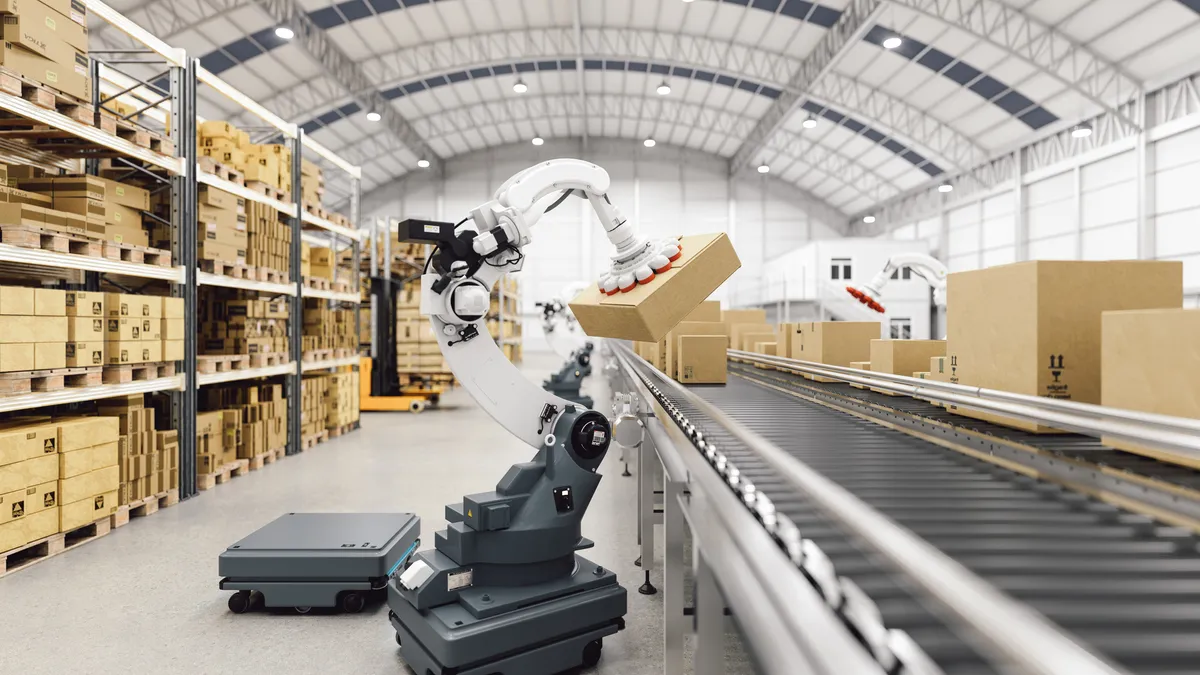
x=927, y=267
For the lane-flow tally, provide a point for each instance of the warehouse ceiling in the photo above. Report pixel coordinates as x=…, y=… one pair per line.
x=818, y=91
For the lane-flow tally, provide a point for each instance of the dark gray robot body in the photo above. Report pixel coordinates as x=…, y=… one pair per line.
x=504, y=592
x=306, y=560
x=567, y=381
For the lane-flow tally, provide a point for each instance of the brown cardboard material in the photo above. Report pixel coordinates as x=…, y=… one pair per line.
x=30, y=528
x=750, y=339
x=702, y=359
x=21, y=503
x=20, y=443
x=151, y=329
x=49, y=355
x=172, y=350
x=132, y=351
x=49, y=302
x=650, y=311
x=78, y=462
x=171, y=308
x=17, y=328
x=16, y=357
x=88, y=484
x=125, y=328
x=84, y=304
x=85, y=432
x=903, y=357
x=35, y=471
x=832, y=343
x=16, y=300
x=737, y=332
x=736, y=317
x=784, y=346
x=1005, y=323
x=687, y=328
x=85, y=328
x=129, y=196
x=860, y=365
x=50, y=329
x=1150, y=362
x=67, y=72
x=709, y=310
x=79, y=354
x=33, y=23
x=85, y=511
x=217, y=198
x=765, y=348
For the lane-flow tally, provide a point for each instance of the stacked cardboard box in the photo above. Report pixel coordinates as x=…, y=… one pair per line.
x=326, y=328
x=33, y=329
x=313, y=403
x=110, y=210
x=134, y=328
x=214, y=447
x=270, y=240
x=221, y=226
x=312, y=183
x=251, y=421
x=1034, y=328
x=148, y=457
x=270, y=164
x=342, y=400
x=305, y=259
x=417, y=349
x=89, y=473
x=230, y=324
x=29, y=506
x=904, y=357
x=48, y=43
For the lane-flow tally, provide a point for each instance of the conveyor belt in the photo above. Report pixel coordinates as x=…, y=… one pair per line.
x=1123, y=583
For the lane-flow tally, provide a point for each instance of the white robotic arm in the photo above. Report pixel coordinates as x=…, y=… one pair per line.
x=559, y=326
x=927, y=267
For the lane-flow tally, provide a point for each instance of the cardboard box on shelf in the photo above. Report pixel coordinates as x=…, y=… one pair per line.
x=41, y=29
x=33, y=471
x=230, y=253
x=67, y=71
x=84, y=511
x=17, y=328
x=1035, y=327
x=29, y=529
x=21, y=503
x=87, y=485
x=132, y=351
x=49, y=355
x=650, y=311
x=128, y=196
x=86, y=460
x=702, y=359
x=85, y=329
x=171, y=308
x=20, y=442
x=49, y=302
x=123, y=328
x=219, y=129
x=16, y=300
x=80, y=354
x=16, y=357
x=49, y=329
x=833, y=343
x=130, y=234
x=172, y=350
x=84, y=304
x=1150, y=363
x=76, y=433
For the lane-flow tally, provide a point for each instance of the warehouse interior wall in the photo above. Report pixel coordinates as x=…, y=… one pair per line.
x=667, y=190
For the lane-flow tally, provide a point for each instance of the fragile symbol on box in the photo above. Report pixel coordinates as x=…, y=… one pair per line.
x=48, y=499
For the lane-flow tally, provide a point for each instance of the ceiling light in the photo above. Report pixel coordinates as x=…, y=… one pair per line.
x=537, y=140
x=284, y=33
x=892, y=42
x=763, y=168
x=663, y=89
x=868, y=219
x=423, y=163
x=945, y=187
x=374, y=116
x=649, y=142
x=520, y=87
x=810, y=123
x=687, y=0
x=1081, y=131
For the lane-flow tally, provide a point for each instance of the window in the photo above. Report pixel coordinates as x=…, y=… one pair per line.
x=901, y=329
x=840, y=266
x=905, y=274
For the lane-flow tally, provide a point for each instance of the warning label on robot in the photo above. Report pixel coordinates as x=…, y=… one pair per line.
x=460, y=580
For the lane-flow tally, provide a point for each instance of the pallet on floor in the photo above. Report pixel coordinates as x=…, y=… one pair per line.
x=137, y=372
x=334, y=432
x=269, y=457
x=311, y=440
x=232, y=270
x=269, y=359
x=226, y=473
x=267, y=190
x=46, y=239
x=30, y=381
x=48, y=547
x=141, y=255
x=144, y=507
x=206, y=364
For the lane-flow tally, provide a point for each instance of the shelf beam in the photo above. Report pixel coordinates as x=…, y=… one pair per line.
x=308, y=366
x=63, y=396
x=207, y=279
x=244, y=192
x=248, y=374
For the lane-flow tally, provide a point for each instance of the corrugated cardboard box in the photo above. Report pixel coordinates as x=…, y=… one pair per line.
x=16, y=300
x=750, y=339
x=80, y=513
x=129, y=196
x=737, y=332
x=17, y=328
x=22, y=442
x=78, y=462
x=49, y=302
x=1150, y=362
x=783, y=348
x=84, y=303
x=49, y=355
x=172, y=350
x=81, y=354
x=125, y=328
x=30, y=528
x=35, y=471
x=87, y=485
x=132, y=351
x=41, y=21
x=765, y=348
x=688, y=328
x=172, y=308
x=832, y=343
x=702, y=359
x=16, y=357
x=85, y=432
x=1034, y=327
x=709, y=310
x=85, y=329
x=66, y=72
x=27, y=502
x=48, y=328
x=650, y=311
x=903, y=357
x=860, y=365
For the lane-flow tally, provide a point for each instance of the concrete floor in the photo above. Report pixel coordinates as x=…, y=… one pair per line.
x=144, y=599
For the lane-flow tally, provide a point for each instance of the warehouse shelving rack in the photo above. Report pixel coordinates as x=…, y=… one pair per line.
x=171, y=100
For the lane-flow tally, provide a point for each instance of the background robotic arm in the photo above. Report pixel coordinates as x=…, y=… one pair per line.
x=927, y=267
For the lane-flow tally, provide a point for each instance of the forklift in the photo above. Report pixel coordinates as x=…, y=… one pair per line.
x=379, y=383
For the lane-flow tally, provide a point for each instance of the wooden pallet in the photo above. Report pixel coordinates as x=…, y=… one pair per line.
x=207, y=364
x=267, y=189
x=48, y=547
x=46, y=239
x=232, y=270
x=309, y=441
x=29, y=381
x=314, y=355
x=340, y=286
x=269, y=457
x=269, y=359
x=144, y=507
x=227, y=472
x=142, y=255
x=138, y=372
x=12, y=82
x=316, y=283
x=273, y=276
x=317, y=210
x=222, y=171
x=414, y=379
x=334, y=432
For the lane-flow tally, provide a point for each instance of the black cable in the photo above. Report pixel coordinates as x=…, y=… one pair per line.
x=561, y=199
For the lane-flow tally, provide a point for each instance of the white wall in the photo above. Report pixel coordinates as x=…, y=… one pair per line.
x=666, y=190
